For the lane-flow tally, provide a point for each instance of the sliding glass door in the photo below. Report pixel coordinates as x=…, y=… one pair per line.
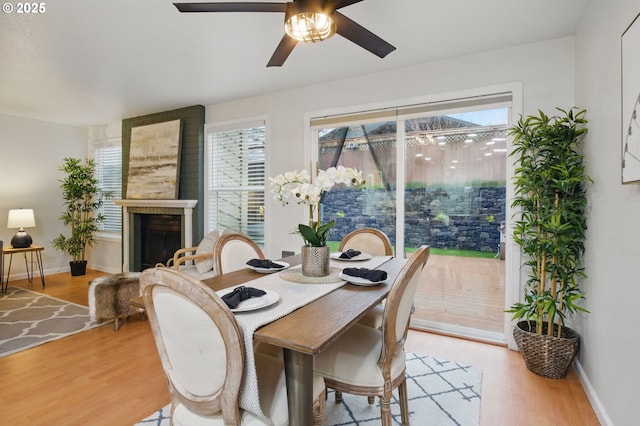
x=436, y=176
x=455, y=201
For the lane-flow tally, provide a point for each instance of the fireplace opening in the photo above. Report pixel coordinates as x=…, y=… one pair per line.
x=161, y=236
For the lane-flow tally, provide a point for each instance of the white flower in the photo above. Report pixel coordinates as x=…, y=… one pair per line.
x=309, y=193
x=298, y=186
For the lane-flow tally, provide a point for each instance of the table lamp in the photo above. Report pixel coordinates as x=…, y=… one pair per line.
x=21, y=218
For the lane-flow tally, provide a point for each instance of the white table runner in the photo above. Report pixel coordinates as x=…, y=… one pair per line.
x=292, y=296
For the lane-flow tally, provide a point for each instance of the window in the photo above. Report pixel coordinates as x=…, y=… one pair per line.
x=235, y=175
x=437, y=175
x=107, y=155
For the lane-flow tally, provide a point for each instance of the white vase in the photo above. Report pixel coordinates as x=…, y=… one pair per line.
x=315, y=261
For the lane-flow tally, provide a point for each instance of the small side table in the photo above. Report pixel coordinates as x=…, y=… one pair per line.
x=31, y=249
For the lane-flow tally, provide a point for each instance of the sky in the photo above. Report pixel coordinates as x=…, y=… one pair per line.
x=484, y=117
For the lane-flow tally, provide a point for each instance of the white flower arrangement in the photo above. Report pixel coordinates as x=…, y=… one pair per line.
x=299, y=187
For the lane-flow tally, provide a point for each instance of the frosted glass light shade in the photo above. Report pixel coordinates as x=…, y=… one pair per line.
x=308, y=26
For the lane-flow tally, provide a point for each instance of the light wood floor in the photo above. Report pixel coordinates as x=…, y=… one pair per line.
x=104, y=377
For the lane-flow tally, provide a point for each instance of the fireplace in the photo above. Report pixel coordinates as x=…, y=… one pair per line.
x=190, y=182
x=152, y=230
x=160, y=237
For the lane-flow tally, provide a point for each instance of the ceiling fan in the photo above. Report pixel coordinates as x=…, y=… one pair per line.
x=306, y=21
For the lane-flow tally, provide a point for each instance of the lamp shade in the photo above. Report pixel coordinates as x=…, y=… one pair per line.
x=21, y=218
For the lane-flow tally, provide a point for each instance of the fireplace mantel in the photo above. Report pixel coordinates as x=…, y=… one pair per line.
x=172, y=204
x=132, y=206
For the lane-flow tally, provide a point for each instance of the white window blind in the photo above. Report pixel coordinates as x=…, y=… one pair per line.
x=108, y=159
x=236, y=179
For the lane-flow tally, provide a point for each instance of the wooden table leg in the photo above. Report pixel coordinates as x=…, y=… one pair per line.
x=298, y=368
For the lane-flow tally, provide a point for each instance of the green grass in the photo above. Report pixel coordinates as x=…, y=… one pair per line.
x=333, y=245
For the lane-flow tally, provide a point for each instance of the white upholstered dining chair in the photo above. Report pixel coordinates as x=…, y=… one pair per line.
x=231, y=252
x=376, y=243
x=372, y=240
x=202, y=352
x=367, y=361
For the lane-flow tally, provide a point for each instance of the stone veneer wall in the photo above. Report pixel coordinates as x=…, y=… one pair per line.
x=465, y=218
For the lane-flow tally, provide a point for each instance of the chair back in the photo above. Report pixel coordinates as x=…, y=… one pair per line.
x=398, y=307
x=199, y=342
x=232, y=251
x=373, y=241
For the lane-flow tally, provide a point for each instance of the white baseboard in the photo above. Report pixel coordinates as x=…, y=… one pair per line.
x=36, y=274
x=104, y=269
x=52, y=271
x=592, y=396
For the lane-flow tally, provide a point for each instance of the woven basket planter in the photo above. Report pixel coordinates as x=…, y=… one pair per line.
x=547, y=356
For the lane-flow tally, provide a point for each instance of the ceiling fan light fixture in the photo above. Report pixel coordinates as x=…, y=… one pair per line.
x=306, y=21
x=308, y=26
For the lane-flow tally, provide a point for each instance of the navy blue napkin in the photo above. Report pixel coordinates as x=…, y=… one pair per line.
x=241, y=293
x=373, y=275
x=264, y=263
x=350, y=253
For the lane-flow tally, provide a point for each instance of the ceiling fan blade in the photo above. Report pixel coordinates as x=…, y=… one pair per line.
x=343, y=3
x=231, y=7
x=361, y=36
x=282, y=52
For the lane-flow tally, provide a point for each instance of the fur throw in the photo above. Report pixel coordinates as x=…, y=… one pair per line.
x=109, y=296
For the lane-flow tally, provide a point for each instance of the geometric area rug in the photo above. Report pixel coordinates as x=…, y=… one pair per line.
x=441, y=393
x=29, y=319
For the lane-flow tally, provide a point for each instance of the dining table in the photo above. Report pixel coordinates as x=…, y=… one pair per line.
x=310, y=328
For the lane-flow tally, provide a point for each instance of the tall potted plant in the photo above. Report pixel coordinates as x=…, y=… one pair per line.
x=550, y=194
x=82, y=199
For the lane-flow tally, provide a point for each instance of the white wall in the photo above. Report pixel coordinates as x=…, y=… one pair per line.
x=31, y=152
x=610, y=348
x=545, y=70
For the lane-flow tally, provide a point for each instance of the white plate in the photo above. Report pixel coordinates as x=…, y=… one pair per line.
x=270, y=270
x=360, y=281
x=361, y=256
x=253, y=303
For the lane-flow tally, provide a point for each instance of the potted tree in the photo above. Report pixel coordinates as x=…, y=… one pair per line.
x=549, y=185
x=82, y=199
